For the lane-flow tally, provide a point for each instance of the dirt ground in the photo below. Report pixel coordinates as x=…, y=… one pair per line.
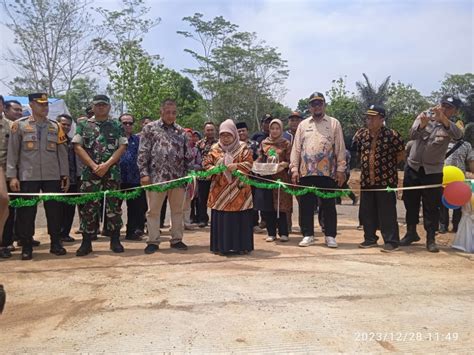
x=280, y=298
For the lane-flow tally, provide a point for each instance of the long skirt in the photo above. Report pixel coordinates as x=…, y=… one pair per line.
x=231, y=232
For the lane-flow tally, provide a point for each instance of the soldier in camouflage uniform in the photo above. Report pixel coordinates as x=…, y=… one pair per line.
x=100, y=142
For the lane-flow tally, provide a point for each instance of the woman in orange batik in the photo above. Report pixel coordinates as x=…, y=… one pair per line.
x=230, y=200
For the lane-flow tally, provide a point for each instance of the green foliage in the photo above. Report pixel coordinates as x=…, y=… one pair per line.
x=79, y=96
x=142, y=84
x=461, y=85
x=344, y=106
x=240, y=76
x=403, y=104
x=303, y=105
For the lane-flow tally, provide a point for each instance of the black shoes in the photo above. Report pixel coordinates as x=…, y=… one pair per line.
x=431, y=244
x=179, y=246
x=26, y=253
x=68, y=239
x=410, y=237
x=137, y=235
x=151, y=248
x=115, y=244
x=5, y=253
x=368, y=244
x=35, y=243
x=86, y=245
x=84, y=250
x=432, y=247
x=57, y=249
x=202, y=225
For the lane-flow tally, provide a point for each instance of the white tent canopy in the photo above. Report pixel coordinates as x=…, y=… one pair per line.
x=56, y=107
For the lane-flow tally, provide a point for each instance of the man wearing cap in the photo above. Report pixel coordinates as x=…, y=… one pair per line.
x=380, y=149
x=318, y=158
x=99, y=143
x=294, y=119
x=265, y=132
x=431, y=132
x=37, y=161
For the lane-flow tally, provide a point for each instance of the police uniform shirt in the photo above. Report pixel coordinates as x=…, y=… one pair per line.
x=37, y=151
x=4, y=137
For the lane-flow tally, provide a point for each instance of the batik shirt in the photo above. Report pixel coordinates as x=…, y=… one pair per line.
x=378, y=156
x=164, y=153
x=461, y=156
x=100, y=140
x=318, y=148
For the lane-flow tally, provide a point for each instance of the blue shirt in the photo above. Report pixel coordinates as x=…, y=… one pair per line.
x=128, y=162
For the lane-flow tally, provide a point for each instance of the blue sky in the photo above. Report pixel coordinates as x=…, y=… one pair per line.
x=415, y=42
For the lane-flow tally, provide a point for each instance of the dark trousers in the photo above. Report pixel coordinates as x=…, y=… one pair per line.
x=9, y=228
x=68, y=212
x=378, y=209
x=163, y=212
x=431, y=198
x=203, y=194
x=136, y=209
x=444, y=217
x=194, y=210
x=310, y=201
x=25, y=216
x=273, y=223
x=346, y=186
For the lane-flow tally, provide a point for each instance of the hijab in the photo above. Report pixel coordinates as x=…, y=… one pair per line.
x=228, y=126
x=279, y=139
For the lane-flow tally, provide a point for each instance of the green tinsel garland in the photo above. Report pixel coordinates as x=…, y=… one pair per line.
x=123, y=195
x=127, y=195
x=287, y=189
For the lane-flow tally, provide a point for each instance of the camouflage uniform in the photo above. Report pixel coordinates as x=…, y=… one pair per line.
x=100, y=140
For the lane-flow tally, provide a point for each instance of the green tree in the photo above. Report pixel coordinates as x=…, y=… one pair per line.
x=344, y=106
x=461, y=85
x=303, y=106
x=142, y=83
x=403, y=104
x=79, y=96
x=237, y=74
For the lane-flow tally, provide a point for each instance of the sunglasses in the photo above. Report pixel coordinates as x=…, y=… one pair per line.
x=316, y=103
x=127, y=123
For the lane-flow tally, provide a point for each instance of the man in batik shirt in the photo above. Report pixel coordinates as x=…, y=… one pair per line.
x=380, y=150
x=164, y=155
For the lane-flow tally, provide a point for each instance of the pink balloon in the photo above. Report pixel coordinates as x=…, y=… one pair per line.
x=457, y=193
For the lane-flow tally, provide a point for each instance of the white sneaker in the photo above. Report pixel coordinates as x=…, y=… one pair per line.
x=270, y=238
x=284, y=238
x=331, y=242
x=189, y=226
x=307, y=241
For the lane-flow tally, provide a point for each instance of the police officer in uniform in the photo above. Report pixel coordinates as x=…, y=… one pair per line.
x=37, y=161
x=99, y=143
